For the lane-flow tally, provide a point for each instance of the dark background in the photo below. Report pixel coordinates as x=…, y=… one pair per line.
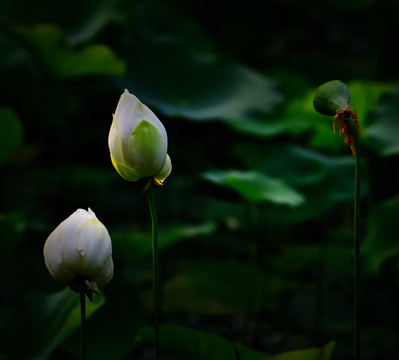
x=256, y=219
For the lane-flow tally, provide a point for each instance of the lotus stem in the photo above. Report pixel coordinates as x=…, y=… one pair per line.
x=155, y=269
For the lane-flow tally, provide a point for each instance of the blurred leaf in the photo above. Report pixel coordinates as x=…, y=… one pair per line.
x=336, y=261
x=223, y=90
x=11, y=133
x=185, y=343
x=256, y=187
x=325, y=181
x=73, y=320
x=233, y=287
x=190, y=82
x=130, y=246
x=365, y=97
x=48, y=44
x=381, y=242
x=100, y=14
x=298, y=115
x=324, y=353
x=294, y=117
x=384, y=126
x=44, y=321
x=110, y=332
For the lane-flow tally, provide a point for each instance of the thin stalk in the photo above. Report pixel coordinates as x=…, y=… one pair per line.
x=155, y=269
x=82, y=321
x=356, y=243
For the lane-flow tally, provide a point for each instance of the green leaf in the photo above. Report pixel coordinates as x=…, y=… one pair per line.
x=235, y=287
x=100, y=13
x=337, y=260
x=365, y=97
x=256, y=187
x=224, y=91
x=384, y=126
x=295, y=117
x=190, y=81
x=73, y=321
x=324, y=181
x=49, y=46
x=11, y=133
x=310, y=354
x=111, y=331
x=129, y=246
x=298, y=116
x=184, y=343
x=44, y=321
x=382, y=240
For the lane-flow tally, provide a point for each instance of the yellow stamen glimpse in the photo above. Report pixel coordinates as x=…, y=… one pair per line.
x=158, y=182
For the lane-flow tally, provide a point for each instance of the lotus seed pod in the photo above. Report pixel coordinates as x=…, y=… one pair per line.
x=331, y=97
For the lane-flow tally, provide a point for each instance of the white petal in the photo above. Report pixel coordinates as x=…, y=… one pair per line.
x=107, y=271
x=165, y=171
x=93, y=247
x=115, y=144
x=79, y=246
x=129, y=113
x=53, y=257
x=152, y=118
x=125, y=115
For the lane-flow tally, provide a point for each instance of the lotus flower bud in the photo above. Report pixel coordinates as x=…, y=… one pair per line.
x=138, y=142
x=80, y=249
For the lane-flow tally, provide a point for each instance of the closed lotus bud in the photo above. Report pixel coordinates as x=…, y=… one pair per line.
x=138, y=142
x=79, y=249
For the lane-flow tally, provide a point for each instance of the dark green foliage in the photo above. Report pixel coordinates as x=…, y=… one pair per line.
x=181, y=343
x=256, y=219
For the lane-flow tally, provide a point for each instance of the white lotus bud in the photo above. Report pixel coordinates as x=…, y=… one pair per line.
x=138, y=142
x=80, y=249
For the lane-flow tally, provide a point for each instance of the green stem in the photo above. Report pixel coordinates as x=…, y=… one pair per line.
x=356, y=243
x=155, y=269
x=82, y=321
